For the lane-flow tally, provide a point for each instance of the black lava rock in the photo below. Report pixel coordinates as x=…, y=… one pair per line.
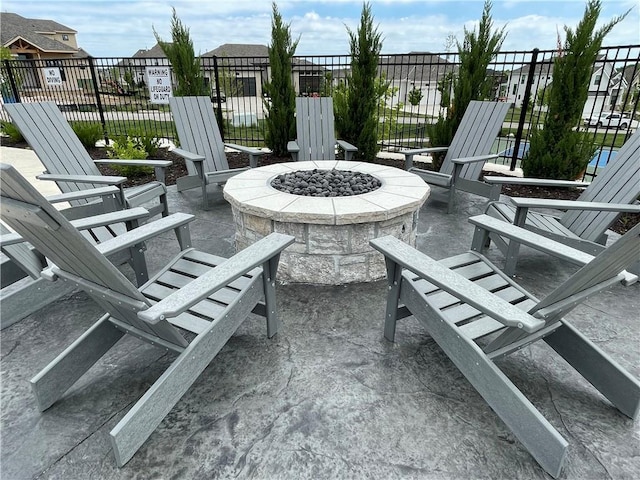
x=326, y=183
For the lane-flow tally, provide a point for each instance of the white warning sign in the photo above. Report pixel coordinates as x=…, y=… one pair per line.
x=159, y=81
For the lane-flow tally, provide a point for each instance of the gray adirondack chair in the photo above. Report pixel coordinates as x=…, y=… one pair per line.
x=478, y=314
x=67, y=162
x=207, y=297
x=469, y=150
x=23, y=289
x=202, y=147
x=585, y=221
x=315, y=129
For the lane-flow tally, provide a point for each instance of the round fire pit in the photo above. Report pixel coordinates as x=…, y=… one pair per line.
x=332, y=232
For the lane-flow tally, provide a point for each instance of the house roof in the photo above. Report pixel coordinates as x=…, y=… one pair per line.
x=415, y=66
x=239, y=50
x=34, y=31
x=153, y=52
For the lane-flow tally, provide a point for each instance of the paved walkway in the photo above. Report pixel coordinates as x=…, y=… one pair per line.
x=27, y=163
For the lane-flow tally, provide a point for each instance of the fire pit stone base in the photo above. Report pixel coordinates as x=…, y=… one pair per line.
x=332, y=234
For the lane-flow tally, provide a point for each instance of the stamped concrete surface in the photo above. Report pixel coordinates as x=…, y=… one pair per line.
x=326, y=398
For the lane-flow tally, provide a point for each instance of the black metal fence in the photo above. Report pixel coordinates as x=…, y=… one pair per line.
x=115, y=93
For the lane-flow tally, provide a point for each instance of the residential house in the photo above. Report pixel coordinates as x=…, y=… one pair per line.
x=624, y=89
x=133, y=70
x=600, y=84
x=50, y=52
x=242, y=68
x=420, y=72
x=513, y=90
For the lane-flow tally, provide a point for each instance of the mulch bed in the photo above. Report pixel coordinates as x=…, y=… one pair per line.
x=239, y=160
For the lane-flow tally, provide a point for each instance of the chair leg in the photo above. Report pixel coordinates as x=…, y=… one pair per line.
x=57, y=377
x=616, y=384
x=139, y=264
x=451, y=199
x=394, y=276
x=268, y=280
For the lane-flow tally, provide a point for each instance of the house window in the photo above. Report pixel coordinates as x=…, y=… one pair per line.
x=515, y=89
x=65, y=37
x=597, y=79
x=246, y=86
x=310, y=84
x=522, y=79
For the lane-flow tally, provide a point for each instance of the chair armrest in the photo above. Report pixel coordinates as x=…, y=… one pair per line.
x=292, y=146
x=418, y=151
x=537, y=242
x=530, y=239
x=82, y=194
x=242, y=148
x=7, y=239
x=479, y=158
x=110, y=218
x=215, y=279
x=346, y=146
x=193, y=157
x=88, y=222
x=455, y=284
x=98, y=179
x=141, y=163
x=524, y=202
x=536, y=182
x=144, y=232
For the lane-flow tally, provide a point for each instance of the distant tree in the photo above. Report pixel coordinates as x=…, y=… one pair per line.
x=356, y=119
x=281, y=96
x=471, y=81
x=557, y=150
x=5, y=53
x=415, y=95
x=542, y=97
x=185, y=64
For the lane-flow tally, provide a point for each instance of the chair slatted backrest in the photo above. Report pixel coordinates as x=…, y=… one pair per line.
x=475, y=136
x=27, y=212
x=618, y=182
x=315, y=128
x=198, y=131
x=55, y=143
x=605, y=267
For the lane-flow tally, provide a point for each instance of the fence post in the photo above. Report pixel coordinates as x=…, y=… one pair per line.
x=218, y=109
x=96, y=89
x=12, y=83
x=525, y=107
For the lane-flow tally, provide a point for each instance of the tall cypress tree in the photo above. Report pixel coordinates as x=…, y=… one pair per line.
x=557, y=150
x=281, y=103
x=471, y=82
x=357, y=122
x=185, y=64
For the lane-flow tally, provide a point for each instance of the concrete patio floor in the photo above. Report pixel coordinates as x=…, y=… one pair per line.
x=326, y=398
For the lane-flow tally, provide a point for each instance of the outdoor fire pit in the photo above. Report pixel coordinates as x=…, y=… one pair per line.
x=332, y=229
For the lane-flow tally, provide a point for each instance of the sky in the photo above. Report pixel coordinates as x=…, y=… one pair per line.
x=115, y=28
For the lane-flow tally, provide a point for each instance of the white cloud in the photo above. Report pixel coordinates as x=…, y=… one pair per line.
x=120, y=28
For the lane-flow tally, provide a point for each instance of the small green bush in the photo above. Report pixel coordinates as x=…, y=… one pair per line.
x=10, y=130
x=128, y=149
x=415, y=95
x=142, y=139
x=87, y=133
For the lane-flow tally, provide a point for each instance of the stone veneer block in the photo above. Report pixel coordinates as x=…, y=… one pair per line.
x=332, y=234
